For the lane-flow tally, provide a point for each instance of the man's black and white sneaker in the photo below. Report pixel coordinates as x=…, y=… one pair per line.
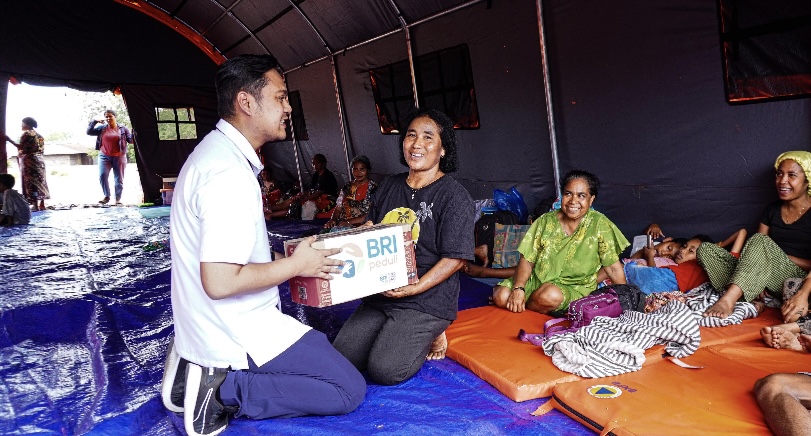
x=173, y=385
x=205, y=414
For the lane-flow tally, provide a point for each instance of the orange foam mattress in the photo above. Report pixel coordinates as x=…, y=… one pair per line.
x=485, y=341
x=665, y=399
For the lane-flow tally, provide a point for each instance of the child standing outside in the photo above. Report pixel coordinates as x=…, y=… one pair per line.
x=15, y=209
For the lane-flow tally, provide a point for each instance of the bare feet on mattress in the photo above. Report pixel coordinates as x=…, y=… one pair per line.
x=721, y=309
x=438, y=348
x=779, y=337
x=766, y=334
x=805, y=341
x=726, y=304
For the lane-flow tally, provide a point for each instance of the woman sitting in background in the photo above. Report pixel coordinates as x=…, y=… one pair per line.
x=355, y=197
x=562, y=251
x=781, y=248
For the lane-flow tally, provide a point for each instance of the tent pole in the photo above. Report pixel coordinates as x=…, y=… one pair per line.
x=295, y=148
x=331, y=55
x=407, y=33
x=389, y=33
x=341, y=115
x=547, y=90
x=4, y=78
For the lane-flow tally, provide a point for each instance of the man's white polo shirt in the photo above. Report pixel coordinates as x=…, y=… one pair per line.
x=217, y=217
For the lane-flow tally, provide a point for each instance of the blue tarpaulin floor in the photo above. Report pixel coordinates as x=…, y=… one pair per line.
x=86, y=317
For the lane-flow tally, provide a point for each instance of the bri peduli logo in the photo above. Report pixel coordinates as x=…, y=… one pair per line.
x=348, y=269
x=382, y=251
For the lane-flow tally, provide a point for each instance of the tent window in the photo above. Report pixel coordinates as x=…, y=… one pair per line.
x=298, y=118
x=444, y=82
x=176, y=122
x=766, y=48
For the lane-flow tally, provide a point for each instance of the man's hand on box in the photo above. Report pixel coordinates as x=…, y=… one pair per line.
x=316, y=262
x=405, y=291
x=367, y=224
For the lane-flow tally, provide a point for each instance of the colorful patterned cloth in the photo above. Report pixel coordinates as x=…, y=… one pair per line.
x=354, y=201
x=505, y=244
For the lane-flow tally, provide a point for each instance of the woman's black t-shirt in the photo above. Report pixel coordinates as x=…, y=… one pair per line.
x=441, y=215
x=795, y=238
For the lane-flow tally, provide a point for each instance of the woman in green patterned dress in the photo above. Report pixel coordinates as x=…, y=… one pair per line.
x=562, y=252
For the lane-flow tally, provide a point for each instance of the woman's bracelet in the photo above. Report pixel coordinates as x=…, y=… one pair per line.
x=516, y=288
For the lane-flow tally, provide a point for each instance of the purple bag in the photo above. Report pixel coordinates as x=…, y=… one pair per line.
x=581, y=312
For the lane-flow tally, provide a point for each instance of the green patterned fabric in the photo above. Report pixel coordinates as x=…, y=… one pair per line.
x=570, y=262
x=763, y=265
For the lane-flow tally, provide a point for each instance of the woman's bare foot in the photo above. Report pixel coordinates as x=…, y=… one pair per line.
x=779, y=337
x=766, y=334
x=805, y=341
x=721, y=309
x=438, y=348
x=726, y=304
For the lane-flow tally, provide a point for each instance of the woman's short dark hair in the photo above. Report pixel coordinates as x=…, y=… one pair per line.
x=591, y=179
x=241, y=73
x=110, y=111
x=30, y=122
x=447, y=135
x=364, y=160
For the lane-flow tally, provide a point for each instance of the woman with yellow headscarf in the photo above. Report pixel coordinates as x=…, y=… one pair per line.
x=781, y=248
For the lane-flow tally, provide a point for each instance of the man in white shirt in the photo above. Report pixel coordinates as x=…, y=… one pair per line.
x=240, y=353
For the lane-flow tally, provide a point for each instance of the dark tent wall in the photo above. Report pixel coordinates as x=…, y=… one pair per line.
x=95, y=45
x=639, y=98
x=512, y=146
x=317, y=92
x=637, y=89
x=155, y=157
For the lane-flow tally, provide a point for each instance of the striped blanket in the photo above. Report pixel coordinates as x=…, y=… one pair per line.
x=612, y=346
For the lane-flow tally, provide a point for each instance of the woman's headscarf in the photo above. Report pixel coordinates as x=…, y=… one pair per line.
x=803, y=159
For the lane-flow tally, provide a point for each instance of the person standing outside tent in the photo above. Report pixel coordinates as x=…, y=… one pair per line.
x=111, y=142
x=32, y=164
x=240, y=354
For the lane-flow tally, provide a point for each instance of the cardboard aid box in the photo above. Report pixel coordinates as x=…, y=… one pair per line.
x=377, y=259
